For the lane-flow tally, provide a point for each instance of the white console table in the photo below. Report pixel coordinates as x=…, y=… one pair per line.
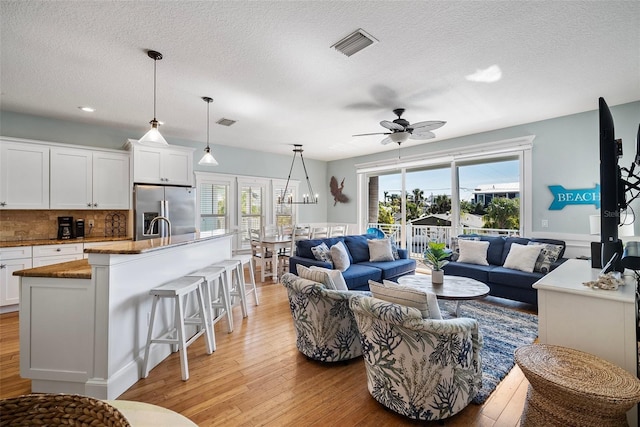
x=596, y=321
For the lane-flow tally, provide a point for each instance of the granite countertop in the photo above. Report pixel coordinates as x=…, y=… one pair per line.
x=143, y=246
x=40, y=242
x=79, y=269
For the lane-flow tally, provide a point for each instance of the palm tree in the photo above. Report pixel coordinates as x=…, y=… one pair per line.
x=503, y=213
x=440, y=204
x=418, y=196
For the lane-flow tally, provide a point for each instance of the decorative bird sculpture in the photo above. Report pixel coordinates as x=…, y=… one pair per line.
x=336, y=191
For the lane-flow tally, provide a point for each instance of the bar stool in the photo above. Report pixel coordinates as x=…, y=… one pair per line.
x=247, y=259
x=220, y=304
x=179, y=289
x=233, y=267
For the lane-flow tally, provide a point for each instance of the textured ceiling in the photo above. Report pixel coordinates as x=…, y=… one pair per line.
x=269, y=66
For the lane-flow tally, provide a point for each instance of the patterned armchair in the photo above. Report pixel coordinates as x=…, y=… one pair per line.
x=325, y=327
x=421, y=368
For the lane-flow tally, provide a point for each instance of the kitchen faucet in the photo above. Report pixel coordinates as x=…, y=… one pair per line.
x=154, y=220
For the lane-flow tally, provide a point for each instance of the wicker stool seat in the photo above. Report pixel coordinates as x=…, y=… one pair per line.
x=59, y=410
x=568, y=387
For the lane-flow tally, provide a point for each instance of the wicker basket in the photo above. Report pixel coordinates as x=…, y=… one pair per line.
x=59, y=410
x=572, y=388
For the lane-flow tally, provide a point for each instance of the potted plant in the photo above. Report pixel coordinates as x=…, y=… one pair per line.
x=435, y=256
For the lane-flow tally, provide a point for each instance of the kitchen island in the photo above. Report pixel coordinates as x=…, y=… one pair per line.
x=83, y=324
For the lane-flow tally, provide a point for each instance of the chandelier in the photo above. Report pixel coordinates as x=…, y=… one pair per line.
x=309, y=198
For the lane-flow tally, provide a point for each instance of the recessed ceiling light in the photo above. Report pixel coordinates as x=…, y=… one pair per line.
x=87, y=109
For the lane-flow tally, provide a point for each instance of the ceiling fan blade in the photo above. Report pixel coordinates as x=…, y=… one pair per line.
x=422, y=135
x=430, y=125
x=386, y=141
x=377, y=133
x=391, y=125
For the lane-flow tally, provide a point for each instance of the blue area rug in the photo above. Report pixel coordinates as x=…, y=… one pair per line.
x=503, y=330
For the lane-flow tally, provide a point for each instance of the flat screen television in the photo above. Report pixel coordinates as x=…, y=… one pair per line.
x=612, y=190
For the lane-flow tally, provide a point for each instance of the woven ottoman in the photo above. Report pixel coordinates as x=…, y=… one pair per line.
x=568, y=387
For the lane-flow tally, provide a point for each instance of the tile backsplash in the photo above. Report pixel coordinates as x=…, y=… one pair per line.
x=18, y=225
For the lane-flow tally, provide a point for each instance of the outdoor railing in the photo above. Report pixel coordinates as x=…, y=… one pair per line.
x=419, y=236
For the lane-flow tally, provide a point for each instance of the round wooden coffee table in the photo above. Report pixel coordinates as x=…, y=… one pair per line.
x=454, y=288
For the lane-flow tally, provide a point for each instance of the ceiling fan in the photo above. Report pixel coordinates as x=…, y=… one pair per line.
x=401, y=130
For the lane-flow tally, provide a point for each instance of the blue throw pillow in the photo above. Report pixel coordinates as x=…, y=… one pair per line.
x=358, y=247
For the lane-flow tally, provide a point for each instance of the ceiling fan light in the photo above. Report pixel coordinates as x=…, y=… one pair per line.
x=153, y=136
x=399, y=137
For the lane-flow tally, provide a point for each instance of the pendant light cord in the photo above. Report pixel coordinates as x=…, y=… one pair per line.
x=155, y=61
x=208, y=104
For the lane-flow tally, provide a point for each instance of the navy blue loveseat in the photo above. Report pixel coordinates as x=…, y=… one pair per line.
x=504, y=282
x=357, y=276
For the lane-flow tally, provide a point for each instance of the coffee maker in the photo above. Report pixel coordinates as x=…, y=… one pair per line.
x=79, y=228
x=65, y=227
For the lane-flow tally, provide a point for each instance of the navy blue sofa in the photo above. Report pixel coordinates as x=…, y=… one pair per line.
x=357, y=276
x=504, y=282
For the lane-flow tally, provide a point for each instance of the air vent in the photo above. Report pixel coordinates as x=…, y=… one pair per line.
x=354, y=42
x=225, y=122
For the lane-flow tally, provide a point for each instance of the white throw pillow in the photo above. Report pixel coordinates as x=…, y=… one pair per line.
x=380, y=250
x=404, y=295
x=473, y=252
x=340, y=256
x=432, y=299
x=522, y=257
x=335, y=275
x=316, y=276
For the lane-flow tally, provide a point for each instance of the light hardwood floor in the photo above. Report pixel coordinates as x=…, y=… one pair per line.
x=257, y=377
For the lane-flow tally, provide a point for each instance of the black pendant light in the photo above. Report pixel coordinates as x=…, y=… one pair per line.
x=310, y=198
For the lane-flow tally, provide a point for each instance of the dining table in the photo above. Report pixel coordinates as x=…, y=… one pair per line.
x=275, y=246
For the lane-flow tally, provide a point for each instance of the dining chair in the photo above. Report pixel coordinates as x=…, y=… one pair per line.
x=286, y=230
x=270, y=230
x=261, y=258
x=299, y=232
x=319, y=232
x=338, y=230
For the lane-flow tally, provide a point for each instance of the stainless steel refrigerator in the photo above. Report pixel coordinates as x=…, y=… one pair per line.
x=178, y=204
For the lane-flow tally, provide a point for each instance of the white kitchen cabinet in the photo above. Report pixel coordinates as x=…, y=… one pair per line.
x=55, y=254
x=12, y=259
x=170, y=165
x=24, y=175
x=89, y=179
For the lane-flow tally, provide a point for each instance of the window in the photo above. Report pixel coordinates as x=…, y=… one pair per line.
x=441, y=184
x=252, y=207
x=284, y=213
x=215, y=201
